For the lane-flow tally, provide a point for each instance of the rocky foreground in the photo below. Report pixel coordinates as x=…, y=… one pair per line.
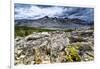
x=54, y=47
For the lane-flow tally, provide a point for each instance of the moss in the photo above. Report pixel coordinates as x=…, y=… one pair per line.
x=72, y=54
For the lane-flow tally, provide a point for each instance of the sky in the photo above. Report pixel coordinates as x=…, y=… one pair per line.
x=31, y=11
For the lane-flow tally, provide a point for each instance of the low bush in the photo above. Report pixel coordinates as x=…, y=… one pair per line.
x=72, y=54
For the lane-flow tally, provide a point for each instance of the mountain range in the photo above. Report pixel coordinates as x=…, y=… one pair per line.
x=53, y=23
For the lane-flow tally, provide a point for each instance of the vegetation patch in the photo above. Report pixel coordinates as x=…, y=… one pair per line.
x=24, y=31
x=72, y=54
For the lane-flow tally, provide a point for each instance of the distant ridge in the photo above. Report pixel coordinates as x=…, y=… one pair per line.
x=48, y=22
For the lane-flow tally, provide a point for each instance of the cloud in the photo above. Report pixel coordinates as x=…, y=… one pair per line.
x=28, y=11
x=84, y=14
x=36, y=12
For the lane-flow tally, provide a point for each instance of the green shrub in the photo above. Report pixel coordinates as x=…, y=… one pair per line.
x=72, y=54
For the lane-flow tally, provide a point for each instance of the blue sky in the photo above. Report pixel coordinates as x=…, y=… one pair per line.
x=30, y=11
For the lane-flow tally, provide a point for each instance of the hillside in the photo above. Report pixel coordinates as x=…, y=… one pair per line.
x=53, y=23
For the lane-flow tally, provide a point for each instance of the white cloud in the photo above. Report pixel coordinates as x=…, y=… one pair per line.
x=37, y=12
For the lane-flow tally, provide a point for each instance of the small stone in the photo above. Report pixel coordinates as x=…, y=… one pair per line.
x=22, y=56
